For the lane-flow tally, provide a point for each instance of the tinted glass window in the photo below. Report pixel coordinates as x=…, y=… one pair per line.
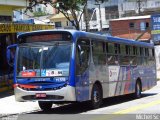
x=82, y=55
x=99, y=54
x=110, y=48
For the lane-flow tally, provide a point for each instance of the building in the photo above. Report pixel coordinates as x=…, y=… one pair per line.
x=37, y=11
x=8, y=36
x=137, y=28
x=6, y=13
x=138, y=7
x=7, y=7
x=99, y=15
x=61, y=22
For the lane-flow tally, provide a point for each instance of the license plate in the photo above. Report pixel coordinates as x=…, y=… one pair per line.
x=40, y=95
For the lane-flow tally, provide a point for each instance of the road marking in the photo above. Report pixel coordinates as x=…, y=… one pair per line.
x=139, y=107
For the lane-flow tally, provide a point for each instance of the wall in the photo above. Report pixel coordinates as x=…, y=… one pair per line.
x=130, y=7
x=20, y=3
x=120, y=28
x=7, y=7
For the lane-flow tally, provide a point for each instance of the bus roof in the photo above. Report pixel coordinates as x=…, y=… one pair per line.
x=129, y=41
x=76, y=33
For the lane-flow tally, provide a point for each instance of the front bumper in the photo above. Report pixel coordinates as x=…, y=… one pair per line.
x=64, y=94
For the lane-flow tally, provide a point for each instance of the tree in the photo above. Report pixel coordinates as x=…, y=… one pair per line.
x=74, y=8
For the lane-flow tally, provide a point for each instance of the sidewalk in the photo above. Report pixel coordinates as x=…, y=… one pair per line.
x=8, y=105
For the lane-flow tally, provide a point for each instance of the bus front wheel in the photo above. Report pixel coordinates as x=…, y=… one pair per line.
x=96, y=96
x=45, y=105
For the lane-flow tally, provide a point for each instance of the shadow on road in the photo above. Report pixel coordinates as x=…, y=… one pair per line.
x=76, y=108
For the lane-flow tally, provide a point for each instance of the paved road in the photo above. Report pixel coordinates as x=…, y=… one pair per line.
x=123, y=107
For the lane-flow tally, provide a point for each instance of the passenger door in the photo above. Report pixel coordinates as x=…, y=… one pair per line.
x=82, y=69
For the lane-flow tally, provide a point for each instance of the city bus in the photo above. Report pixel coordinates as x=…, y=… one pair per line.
x=66, y=66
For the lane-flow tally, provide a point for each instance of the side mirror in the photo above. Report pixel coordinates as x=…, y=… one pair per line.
x=11, y=54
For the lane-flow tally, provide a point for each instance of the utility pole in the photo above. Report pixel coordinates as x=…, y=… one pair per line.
x=139, y=6
x=86, y=17
x=100, y=18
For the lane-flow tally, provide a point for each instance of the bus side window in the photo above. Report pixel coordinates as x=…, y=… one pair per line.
x=99, y=54
x=153, y=53
x=135, y=52
x=112, y=55
x=123, y=49
x=150, y=52
x=124, y=58
x=141, y=51
x=107, y=47
x=128, y=50
x=142, y=54
x=82, y=55
x=133, y=57
x=117, y=48
x=111, y=48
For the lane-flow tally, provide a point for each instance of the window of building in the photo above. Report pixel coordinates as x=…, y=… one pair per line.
x=39, y=10
x=144, y=26
x=67, y=23
x=147, y=25
x=72, y=23
x=58, y=24
x=5, y=18
x=131, y=25
x=111, y=12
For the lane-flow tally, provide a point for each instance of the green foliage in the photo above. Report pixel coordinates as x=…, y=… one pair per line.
x=70, y=4
x=74, y=8
x=40, y=13
x=71, y=7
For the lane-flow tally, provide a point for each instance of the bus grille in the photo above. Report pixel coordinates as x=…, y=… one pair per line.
x=48, y=97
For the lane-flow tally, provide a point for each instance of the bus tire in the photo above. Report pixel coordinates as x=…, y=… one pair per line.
x=45, y=105
x=96, y=96
x=138, y=89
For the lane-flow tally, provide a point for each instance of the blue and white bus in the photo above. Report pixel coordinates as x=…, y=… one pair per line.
x=57, y=66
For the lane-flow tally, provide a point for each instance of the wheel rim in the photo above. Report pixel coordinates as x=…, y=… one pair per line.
x=96, y=96
x=138, y=90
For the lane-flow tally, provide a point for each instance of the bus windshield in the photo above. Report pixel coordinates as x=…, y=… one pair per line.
x=38, y=61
